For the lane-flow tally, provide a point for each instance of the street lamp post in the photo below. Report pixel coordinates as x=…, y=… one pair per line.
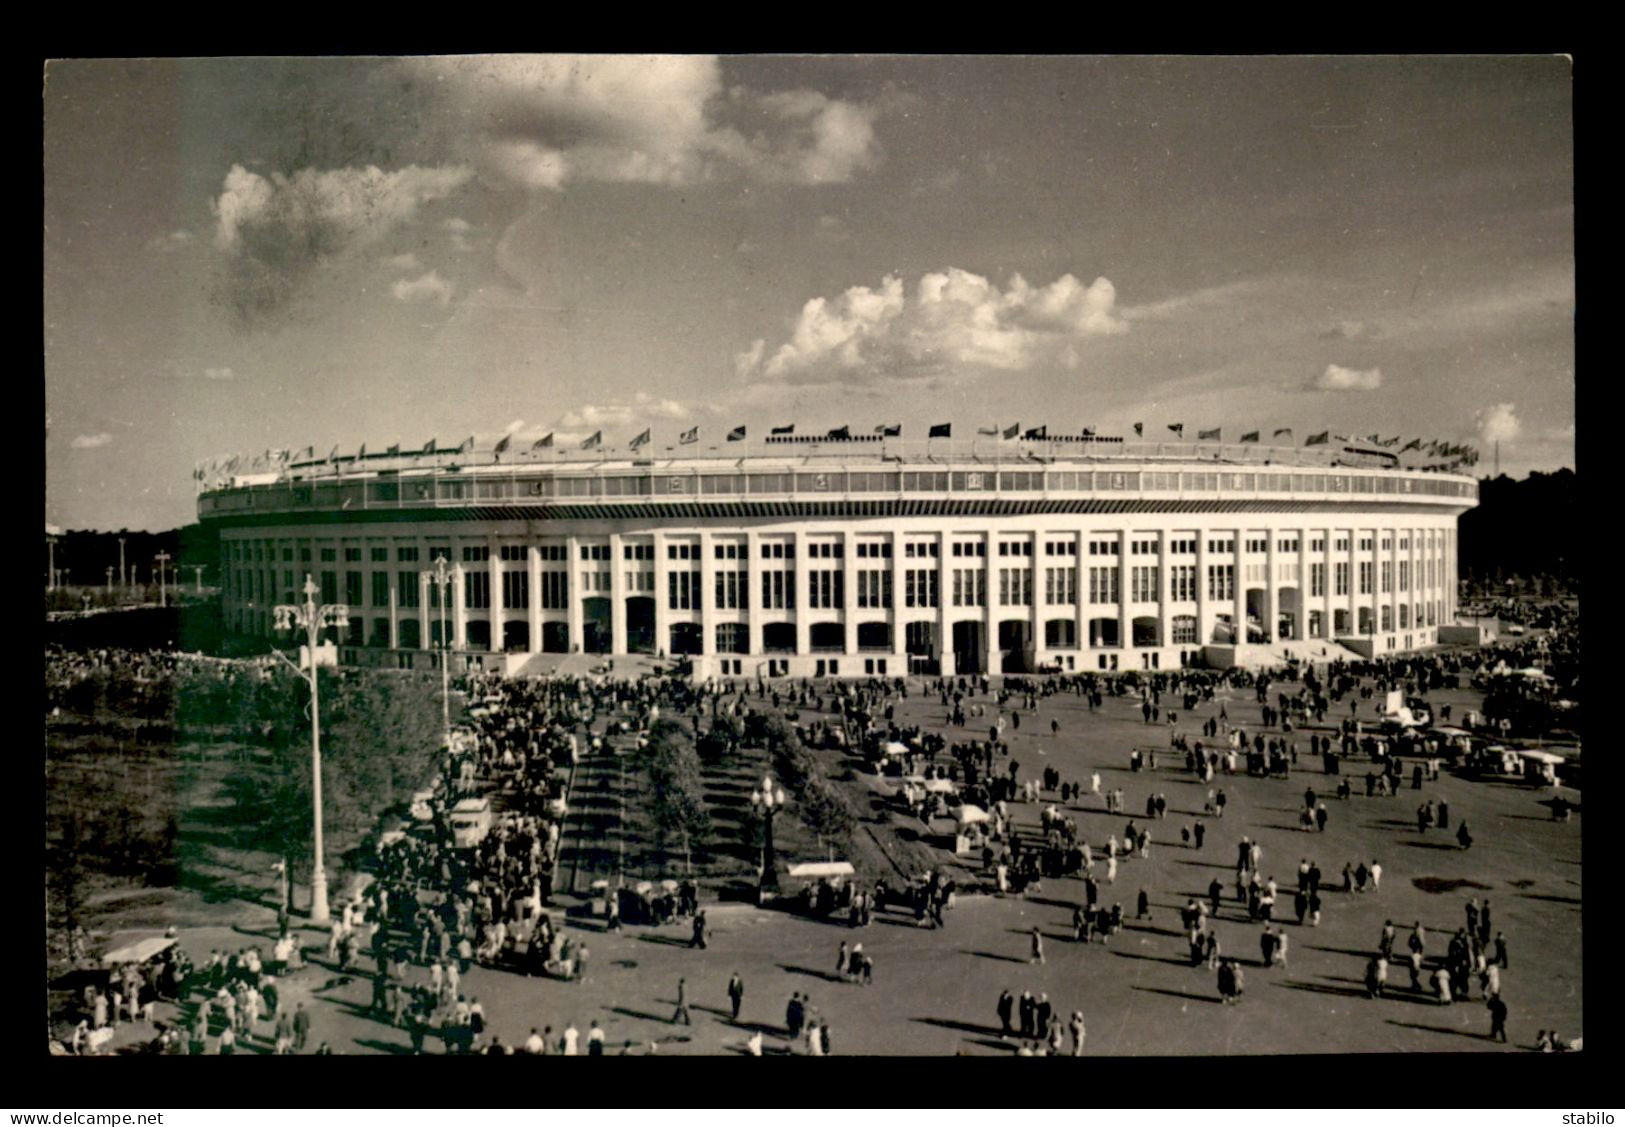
x=768, y=800
x=123, y=575
x=312, y=618
x=441, y=577
x=161, y=559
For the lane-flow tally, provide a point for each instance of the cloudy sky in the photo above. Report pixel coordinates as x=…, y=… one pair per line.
x=253, y=254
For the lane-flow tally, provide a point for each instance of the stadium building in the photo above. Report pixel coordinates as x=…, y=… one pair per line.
x=795, y=557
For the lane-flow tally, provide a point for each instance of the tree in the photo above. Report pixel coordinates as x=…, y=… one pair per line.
x=677, y=792
x=826, y=811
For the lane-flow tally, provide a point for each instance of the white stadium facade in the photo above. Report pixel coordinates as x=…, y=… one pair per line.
x=868, y=556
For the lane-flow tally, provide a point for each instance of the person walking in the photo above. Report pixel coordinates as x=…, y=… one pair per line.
x=301, y=1027
x=1498, y=1018
x=1038, y=948
x=736, y=993
x=1006, y=1007
x=682, y=1004
x=1078, y=1033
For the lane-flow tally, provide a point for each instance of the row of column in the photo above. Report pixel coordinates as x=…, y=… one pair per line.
x=945, y=615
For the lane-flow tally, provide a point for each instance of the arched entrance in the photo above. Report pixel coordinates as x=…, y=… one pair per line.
x=515, y=637
x=597, y=625
x=827, y=637
x=1061, y=634
x=640, y=625
x=1147, y=631
x=1016, y=645
x=1289, y=616
x=779, y=637
x=874, y=637
x=920, y=643
x=555, y=637
x=1104, y=633
x=970, y=647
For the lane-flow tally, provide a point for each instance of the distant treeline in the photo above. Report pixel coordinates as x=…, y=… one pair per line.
x=1526, y=530
x=86, y=555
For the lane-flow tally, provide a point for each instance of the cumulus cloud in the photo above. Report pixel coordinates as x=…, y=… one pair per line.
x=219, y=374
x=91, y=441
x=1498, y=423
x=458, y=224
x=514, y=427
x=642, y=408
x=953, y=319
x=553, y=119
x=430, y=287
x=1336, y=378
x=273, y=230
x=407, y=262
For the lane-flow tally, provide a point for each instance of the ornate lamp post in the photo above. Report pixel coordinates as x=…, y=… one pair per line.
x=313, y=618
x=768, y=800
x=442, y=577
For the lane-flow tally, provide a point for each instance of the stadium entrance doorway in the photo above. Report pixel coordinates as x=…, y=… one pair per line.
x=1016, y=642
x=970, y=648
x=640, y=625
x=597, y=626
x=920, y=642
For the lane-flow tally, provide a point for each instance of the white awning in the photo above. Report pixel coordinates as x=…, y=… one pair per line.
x=972, y=815
x=812, y=870
x=138, y=952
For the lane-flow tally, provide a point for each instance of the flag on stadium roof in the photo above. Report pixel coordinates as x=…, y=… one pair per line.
x=467, y=447
x=1279, y=431
x=361, y=453
x=1088, y=432
x=1318, y=439
x=428, y=447
x=738, y=433
x=893, y=430
x=840, y=432
x=1177, y=428
x=791, y=429
x=332, y=455
x=1139, y=430
x=1250, y=436
x=502, y=444
x=641, y=439
x=543, y=442
x=394, y=450
x=692, y=434
x=1011, y=431
x=993, y=431
x=594, y=439
x=1209, y=435
x=941, y=430
x=1038, y=432
x=1413, y=444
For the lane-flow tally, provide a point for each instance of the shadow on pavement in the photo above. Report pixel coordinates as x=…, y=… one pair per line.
x=1439, y=1029
x=991, y=955
x=384, y=1047
x=1179, y=994
x=827, y=976
x=963, y=1026
x=1185, y=962
x=1392, y=994
x=624, y=1012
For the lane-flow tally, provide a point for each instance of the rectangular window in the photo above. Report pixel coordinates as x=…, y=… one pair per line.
x=515, y=590
x=1221, y=581
x=380, y=588
x=330, y=587
x=1404, y=575
x=1317, y=579
x=515, y=553
x=555, y=590
x=1103, y=585
x=476, y=553
x=1387, y=576
x=352, y=555
x=1365, y=577
x=406, y=589
x=477, y=589
x=329, y=555
x=380, y=555
x=1340, y=578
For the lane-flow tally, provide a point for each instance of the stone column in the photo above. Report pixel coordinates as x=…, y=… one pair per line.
x=617, y=594
x=1272, y=588
x=1035, y=576
x=573, y=593
x=498, y=612
x=459, y=610
x=898, y=666
x=708, y=596
x=945, y=593
x=849, y=591
x=662, y=593
x=990, y=611
x=1164, y=592
x=533, y=614
x=1238, y=573
x=803, y=599
x=753, y=569
x=1080, y=593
